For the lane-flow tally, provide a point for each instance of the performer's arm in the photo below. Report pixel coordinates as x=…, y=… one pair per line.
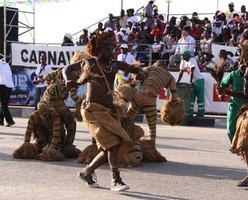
x=30, y=127
x=129, y=68
x=67, y=73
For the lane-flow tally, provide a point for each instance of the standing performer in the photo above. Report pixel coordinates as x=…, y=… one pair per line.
x=98, y=111
x=240, y=139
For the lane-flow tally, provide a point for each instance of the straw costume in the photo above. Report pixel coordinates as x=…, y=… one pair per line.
x=240, y=139
x=45, y=126
x=157, y=78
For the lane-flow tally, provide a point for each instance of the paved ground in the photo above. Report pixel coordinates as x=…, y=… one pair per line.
x=199, y=167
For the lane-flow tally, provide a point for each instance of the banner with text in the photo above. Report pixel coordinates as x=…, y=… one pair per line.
x=28, y=55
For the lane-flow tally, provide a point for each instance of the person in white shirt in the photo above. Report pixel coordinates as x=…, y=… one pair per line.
x=186, y=42
x=126, y=57
x=42, y=70
x=196, y=79
x=6, y=85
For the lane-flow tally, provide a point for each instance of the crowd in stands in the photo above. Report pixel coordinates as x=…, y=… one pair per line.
x=167, y=39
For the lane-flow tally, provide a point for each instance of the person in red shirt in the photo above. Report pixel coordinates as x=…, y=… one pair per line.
x=158, y=29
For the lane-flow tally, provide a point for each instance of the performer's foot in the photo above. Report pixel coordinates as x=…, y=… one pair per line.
x=10, y=124
x=88, y=178
x=117, y=184
x=243, y=182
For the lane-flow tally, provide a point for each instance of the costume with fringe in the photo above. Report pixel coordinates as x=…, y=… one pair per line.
x=45, y=126
x=157, y=79
x=55, y=96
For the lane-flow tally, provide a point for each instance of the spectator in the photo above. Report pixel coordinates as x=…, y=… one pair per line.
x=148, y=14
x=170, y=48
x=196, y=30
x=229, y=13
x=196, y=79
x=42, y=70
x=99, y=29
x=67, y=41
x=243, y=15
x=226, y=35
x=84, y=38
x=111, y=22
x=6, y=85
x=158, y=29
x=131, y=16
x=186, y=42
x=205, y=42
x=217, y=31
x=227, y=60
x=234, y=41
x=206, y=62
x=128, y=58
x=157, y=48
x=123, y=19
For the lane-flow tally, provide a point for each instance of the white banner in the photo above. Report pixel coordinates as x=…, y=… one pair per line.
x=28, y=55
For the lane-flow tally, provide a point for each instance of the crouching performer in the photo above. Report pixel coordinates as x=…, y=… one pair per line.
x=157, y=78
x=98, y=111
x=44, y=125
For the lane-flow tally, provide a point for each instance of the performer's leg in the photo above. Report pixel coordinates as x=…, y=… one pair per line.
x=42, y=137
x=87, y=173
x=192, y=100
x=132, y=111
x=244, y=182
x=199, y=84
x=232, y=112
x=151, y=117
x=113, y=159
x=70, y=125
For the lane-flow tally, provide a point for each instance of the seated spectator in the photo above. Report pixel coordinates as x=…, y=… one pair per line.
x=227, y=61
x=127, y=57
x=243, y=15
x=84, y=38
x=123, y=18
x=196, y=30
x=206, y=63
x=158, y=29
x=217, y=31
x=186, y=42
x=226, y=35
x=234, y=41
x=99, y=29
x=111, y=22
x=131, y=16
x=67, y=40
x=157, y=48
x=205, y=42
x=229, y=13
x=170, y=48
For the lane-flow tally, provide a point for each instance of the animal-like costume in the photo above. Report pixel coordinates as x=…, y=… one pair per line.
x=45, y=127
x=55, y=96
x=157, y=79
